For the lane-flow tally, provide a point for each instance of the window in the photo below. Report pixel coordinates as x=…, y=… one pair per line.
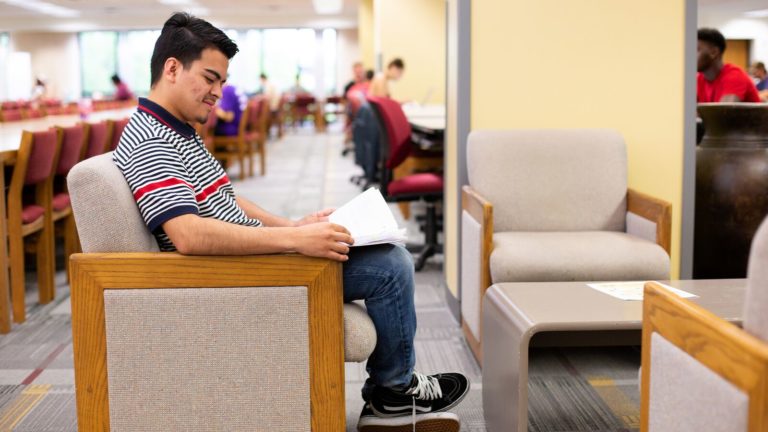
x=134, y=59
x=98, y=54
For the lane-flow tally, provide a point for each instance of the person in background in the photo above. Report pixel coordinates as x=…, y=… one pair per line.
x=358, y=76
x=39, y=90
x=718, y=81
x=229, y=111
x=297, y=89
x=761, y=80
x=122, y=92
x=270, y=92
x=380, y=83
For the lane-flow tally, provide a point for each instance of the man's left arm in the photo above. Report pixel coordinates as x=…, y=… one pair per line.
x=272, y=220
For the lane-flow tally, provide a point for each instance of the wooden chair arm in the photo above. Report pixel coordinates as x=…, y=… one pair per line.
x=654, y=210
x=481, y=210
x=93, y=273
x=725, y=349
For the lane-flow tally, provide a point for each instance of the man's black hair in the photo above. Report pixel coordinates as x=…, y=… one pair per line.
x=398, y=63
x=116, y=79
x=263, y=75
x=713, y=37
x=184, y=37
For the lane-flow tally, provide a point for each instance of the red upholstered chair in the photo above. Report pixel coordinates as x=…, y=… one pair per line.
x=6, y=105
x=396, y=145
x=31, y=218
x=33, y=113
x=72, y=141
x=11, y=114
x=99, y=138
x=117, y=131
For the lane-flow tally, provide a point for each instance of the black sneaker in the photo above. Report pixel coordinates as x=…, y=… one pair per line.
x=427, y=394
x=430, y=422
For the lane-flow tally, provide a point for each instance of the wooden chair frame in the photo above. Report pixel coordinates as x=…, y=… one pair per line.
x=228, y=147
x=94, y=273
x=259, y=145
x=730, y=352
x=17, y=230
x=481, y=210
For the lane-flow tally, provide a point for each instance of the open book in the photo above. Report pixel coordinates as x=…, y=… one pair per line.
x=369, y=220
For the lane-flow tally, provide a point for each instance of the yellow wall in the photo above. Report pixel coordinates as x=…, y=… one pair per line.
x=365, y=33
x=414, y=30
x=588, y=63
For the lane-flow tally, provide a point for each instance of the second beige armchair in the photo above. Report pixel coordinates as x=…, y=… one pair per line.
x=553, y=205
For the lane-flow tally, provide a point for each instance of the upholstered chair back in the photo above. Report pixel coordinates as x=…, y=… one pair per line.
x=551, y=179
x=756, y=301
x=41, y=157
x=106, y=214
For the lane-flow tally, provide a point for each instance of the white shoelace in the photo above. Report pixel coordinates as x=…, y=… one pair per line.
x=427, y=388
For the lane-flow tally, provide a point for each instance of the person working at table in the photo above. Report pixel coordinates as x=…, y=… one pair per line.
x=718, y=81
x=380, y=83
x=229, y=111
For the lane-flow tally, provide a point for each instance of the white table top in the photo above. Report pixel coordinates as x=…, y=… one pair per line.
x=431, y=123
x=415, y=111
x=10, y=132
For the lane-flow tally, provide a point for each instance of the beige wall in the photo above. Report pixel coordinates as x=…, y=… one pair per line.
x=365, y=32
x=55, y=56
x=589, y=63
x=347, y=52
x=414, y=30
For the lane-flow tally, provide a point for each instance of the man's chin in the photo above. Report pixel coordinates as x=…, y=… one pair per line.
x=201, y=120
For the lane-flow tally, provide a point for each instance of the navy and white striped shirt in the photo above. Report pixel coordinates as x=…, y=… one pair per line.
x=171, y=173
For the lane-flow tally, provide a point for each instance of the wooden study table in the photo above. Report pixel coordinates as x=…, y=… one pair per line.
x=10, y=139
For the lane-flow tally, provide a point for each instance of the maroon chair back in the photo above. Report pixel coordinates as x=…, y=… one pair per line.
x=397, y=128
x=33, y=113
x=12, y=114
x=6, y=105
x=117, y=132
x=72, y=142
x=40, y=165
x=97, y=139
x=255, y=106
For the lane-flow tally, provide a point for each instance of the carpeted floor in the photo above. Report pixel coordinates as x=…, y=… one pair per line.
x=571, y=390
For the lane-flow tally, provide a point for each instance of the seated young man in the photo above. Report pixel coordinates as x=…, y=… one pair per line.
x=189, y=204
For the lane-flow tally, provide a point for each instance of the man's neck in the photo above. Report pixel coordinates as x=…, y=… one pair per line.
x=160, y=99
x=714, y=70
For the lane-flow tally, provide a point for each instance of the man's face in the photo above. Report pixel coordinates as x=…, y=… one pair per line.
x=757, y=72
x=707, y=54
x=358, y=72
x=199, y=86
x=394, y=73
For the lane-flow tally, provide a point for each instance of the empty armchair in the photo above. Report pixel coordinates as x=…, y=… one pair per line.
x=553, y=205
x=161, y=340
x=700, y=372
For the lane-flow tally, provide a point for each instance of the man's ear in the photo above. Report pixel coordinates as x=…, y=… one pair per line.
x=171, y=69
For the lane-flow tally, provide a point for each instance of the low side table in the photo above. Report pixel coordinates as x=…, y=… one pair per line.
x=513, y=313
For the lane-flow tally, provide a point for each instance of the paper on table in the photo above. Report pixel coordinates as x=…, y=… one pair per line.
x=632, y=290
x=369, y=220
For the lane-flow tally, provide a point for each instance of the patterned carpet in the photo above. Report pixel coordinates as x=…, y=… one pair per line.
x=571, y=390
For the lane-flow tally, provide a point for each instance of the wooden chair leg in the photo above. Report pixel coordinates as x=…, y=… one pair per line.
x=241, y=159
x=16, y=263
x=263, y=156
x=71, y=240
x=5, y=307
x=46, y=265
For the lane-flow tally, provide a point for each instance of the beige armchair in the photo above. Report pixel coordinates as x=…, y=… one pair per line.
x=700, y=372
x=553, y=205
x=166, y=342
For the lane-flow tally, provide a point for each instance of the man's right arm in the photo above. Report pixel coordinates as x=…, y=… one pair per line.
x=195, y=235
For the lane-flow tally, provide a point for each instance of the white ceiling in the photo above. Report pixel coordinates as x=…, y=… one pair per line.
x=733, y=7
x=150, y=14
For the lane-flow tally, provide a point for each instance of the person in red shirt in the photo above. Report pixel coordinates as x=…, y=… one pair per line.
x=716, y=81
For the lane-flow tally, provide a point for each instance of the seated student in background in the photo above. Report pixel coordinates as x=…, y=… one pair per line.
x=716, y=81
x=358, y=76
x=122, y=92
x=269, y=91
x=761, y=78
x=160, y=148
x=229, y=111
x=380, y=83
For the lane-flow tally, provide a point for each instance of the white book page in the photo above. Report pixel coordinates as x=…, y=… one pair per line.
x=632, y=291
x=369, y=220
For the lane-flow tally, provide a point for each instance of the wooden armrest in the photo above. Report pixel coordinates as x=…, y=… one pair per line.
x=655, y=210
x=725, y=349
x=93, y=273
x=481, y=210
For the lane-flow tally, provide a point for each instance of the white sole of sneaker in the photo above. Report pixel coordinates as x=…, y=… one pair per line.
x=432, y=422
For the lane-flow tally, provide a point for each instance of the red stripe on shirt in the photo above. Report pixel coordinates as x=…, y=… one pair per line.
x=157, y=185
x=212, y=188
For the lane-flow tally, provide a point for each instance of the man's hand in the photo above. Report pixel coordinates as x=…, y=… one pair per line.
x=324, y=240
x=318, y=216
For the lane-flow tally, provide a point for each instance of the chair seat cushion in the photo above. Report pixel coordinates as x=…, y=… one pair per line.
x=422, y=183
x=31, y=213
x=61, y=201
x=359, y=333
x=575, y=256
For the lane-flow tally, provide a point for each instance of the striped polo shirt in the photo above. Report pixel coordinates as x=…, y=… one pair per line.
x=171, y=173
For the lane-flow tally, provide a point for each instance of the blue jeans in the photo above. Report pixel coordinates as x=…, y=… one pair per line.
x=382, y=275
